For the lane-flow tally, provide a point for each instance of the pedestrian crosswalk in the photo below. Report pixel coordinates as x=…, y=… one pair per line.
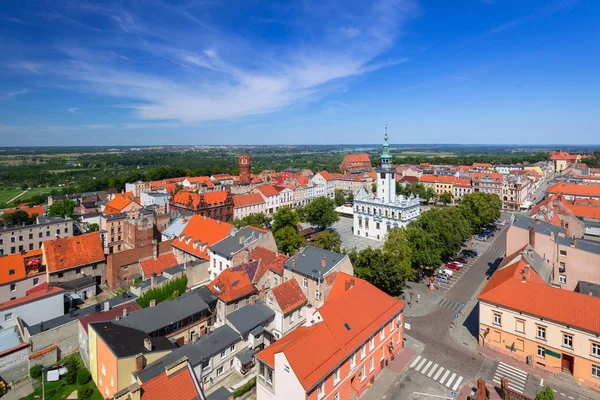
x=440, y=374
x=516, y=377
x=497, y=249
x=452, y=305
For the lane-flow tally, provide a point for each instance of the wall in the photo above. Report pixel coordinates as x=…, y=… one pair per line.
x=14, y=364
x=46, y=358
x=21, y=287
x=66, y=337
x=97, y=269
x=121, y=267
x=82, y=339
x=30, y=237
x=126, y=366
x=34, y=312
x=106, y=368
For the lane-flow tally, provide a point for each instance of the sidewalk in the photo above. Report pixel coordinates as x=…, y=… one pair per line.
x=20, y=390
x=387, y=377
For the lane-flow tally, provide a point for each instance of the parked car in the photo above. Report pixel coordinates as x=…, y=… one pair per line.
x=454, y=266
x=447, y=272
x=482, y=238
x=468, y=253
x=460, y=259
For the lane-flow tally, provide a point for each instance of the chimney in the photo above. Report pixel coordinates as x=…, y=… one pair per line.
x=148, y=344
x=139, y=361
x=293, y=263
x=152, y=302
x=153, y=280
x=349, y=284
x=261, y=294
x=106, y=306
x=242, y=238
x=527, y=271
x=296, y=253
x=253, y=300
x=125, y=312
x=531, y=236
x=155, y=248
x=124, y=294
x=323, y=262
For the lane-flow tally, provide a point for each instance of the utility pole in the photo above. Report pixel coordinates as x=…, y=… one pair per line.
x=43, y=391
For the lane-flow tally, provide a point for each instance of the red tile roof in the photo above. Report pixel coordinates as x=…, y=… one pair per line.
x=407, y=178
x=462, y=168
x=575, y=189
x=539, y=299
x=71, y=252
x=31, y=211
x=232, y=284
x=200, y=233
x=478, y=176
x=16, y=264
x=462, y=182
x=562, y=155
x=269, y=260
x=313, y=352
x=43, y=351
x=180, y=385
x=117, y=204
x=108, y=315
x=437, y=179
x=289, y=296
x=38, y=288
x=268, y=190
x=326, y=175
x=482, y=165
x=32, y=297
x=162, y=262
x=195, y=200
x=242, y=200
x=357, y=158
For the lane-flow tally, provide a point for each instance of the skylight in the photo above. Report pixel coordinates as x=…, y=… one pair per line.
x=347, y=326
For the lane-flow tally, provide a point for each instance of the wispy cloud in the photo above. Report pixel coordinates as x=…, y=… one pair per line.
x=13, y=93
x=212, y=74
x=73, y=110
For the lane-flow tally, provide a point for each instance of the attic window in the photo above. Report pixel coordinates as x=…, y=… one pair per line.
x=347, y=326
x=11, y=271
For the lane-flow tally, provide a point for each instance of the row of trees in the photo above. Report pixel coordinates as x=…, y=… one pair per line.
x=436, y=235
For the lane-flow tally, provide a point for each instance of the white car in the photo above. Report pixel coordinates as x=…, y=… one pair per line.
x=447, y=272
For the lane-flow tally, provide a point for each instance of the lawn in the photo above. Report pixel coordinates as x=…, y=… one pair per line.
x=60, y=390
x=35, y=191
x=7, y=194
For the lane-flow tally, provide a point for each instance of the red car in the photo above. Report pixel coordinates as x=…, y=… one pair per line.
x=453, y=266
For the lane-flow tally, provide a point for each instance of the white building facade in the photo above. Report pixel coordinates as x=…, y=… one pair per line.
x=375, y=214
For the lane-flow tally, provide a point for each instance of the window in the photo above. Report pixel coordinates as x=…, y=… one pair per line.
x=236, y=306
x=362, y=375
x=223, y=353
x=353, y=361
x=336, y=396
x=336, y=376
x=36, y=281
x=563, y=252
x=382, y=334
x=20, y=238
x=561, y=267
x=31, y=236
x=596, y=371
x=112, y=381
x=40, y=234
x=305, y=282
x=377, y=225
x=371, y=365
x=568, y=340
x=541, y=352
x=520, y=326
x=291, y=318
x=60, y=274
x=231, y=363
x=321, y=391
x=8, y=317
x=497, y=319
x=372, y=344
x=232, y=348
x=12, y=250
x=47, y=233
x=317, y=295
x=103, y=369
x=541, y=332
x=13, y=287
x=219, y=371
x=562, y=278
x=596, y=349
x=269, y=376
x=363, y=351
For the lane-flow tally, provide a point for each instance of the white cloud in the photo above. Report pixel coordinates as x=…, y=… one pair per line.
x=73, y=110
x=13, y=93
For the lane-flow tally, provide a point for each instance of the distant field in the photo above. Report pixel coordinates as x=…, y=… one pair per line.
x=423, y=154
x=6, y=195
x=56, y=171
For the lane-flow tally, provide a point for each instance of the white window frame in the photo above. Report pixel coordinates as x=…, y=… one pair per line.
x=372, y=344
x=336, y=376
x=371, y=364
x=364, y=373
x=103, y=369
x=8, y=317
x=223, y=353
x=353, y=360
x=363, y=351
x=595, y=349
x=541, y=329
x=305, y=282
x=321, y=390
x=382, y=334
x=562, y=278
x=13, y=287
x=596, y=371
x=567, y=338
x=221, y=369
x=292, y=318
x=497, y=319
x=542, y=350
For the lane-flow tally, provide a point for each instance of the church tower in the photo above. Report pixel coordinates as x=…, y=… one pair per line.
x=386, y=176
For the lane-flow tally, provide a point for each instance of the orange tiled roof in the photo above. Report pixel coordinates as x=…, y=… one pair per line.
x=539, y=299
x=462, y=182
x=214, y=198
x=575, y=189
x=357, y=158
x=12, y=263
x=268, y=190
x=482, y=165
x=222, y=177
x=200, y=233
x=32, y=297
x=180, y=385
x=437, y=179
x=71, y=252
x=162, y=262
x=194, y=199
x=313, y=352
x=562, y=155
x=269, y=260
x=117, y=204
x=257, y=179
x=289, y=296
x=477, y=176
x=462, y=168
x=232, y=284
x=31, y=211
x=326, y=175
x=242, y=200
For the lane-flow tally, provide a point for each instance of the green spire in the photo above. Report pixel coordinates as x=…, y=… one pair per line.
x=386, y=157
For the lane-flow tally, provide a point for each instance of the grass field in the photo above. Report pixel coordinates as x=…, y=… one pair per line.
x=6, y=195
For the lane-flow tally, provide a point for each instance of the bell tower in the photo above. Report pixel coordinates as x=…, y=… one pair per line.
x=245, y=163
x=386, y=176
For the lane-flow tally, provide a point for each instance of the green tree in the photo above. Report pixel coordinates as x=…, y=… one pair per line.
x=19, y=217
x=446, y=198
x=86, y=393
x=328, y=240
x=83, y=377
x=288, y=239
x=71, y=374
x=350, y=198
x=284, y=217
x=480, y=209
x=35, y=372
x=546, y=394
x=321, y=212
x=94, y=227
x=428, y=194
x=425, y=252
x=257, y=220
x=339, y=198
x=61, y=208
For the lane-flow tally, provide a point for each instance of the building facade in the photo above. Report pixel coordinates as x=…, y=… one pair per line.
x=15, y=239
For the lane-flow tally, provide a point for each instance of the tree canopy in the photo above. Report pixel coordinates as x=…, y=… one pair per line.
x=480, y=209
x=288, y=239
x=328, y=240
x=285, y=216
x=320, y=212
x=258, y=220
x=445, y=198
x=61, y=208
x=19, y=217
x=339, y=198
x=546, y=394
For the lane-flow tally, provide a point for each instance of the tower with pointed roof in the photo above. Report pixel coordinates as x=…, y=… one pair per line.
x=386, y=176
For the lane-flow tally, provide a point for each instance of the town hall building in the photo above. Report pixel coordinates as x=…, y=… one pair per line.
x=376, y=213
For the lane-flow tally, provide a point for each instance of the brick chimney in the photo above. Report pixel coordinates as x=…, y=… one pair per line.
x=139, y=362
x=261, y=294
x=153, y=280
x=125, y=312
x=296, y=253
x=293, y=263
x=155, y=248
x=531, y=236
x=148, y=344
x=324, y=262
x=252, y=299
x=349, y=284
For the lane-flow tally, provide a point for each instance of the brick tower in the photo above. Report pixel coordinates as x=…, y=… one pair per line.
x=245, y=163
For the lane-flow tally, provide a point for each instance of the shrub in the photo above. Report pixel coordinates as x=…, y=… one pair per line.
x=71, y=374
x=244, y=389
x=86, y=393
x=36, y=371
x=168, y=291
x=83, y=376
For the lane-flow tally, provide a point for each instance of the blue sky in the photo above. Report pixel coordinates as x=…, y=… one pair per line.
x=315, y=71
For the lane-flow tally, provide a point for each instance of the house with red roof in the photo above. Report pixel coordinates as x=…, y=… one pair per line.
x=270, y=195
x=33, y=308
x=558, y=211
x=488, y=182
x=248, y=204
x=20, y=273
x=354, y=163
x=571, y=191
x=324, y=178
x=121, y=204
x=289, y=303
x=523, y=315
x=71, y=258
x=562, y=159
x=340, y=350
x=198, y=235
x=216, y=205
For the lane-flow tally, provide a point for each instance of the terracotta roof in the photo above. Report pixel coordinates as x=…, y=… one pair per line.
x=234, y=283
x=326, y=175
x=71, y=252
x=269, y=260
x=200, y=233
x=31, y=211
x=408, y=178
x=32, y=297
x=257, y=179
x=38, y=288
x=222, y=177
x=289, y=296
x=108, y=315
x=437, y=179
x=313, y=352
x=162, y=262
x=180, y=385
x=575, y=189
x=462, y=168
x=16, y=263
x=194, y=199
x=562, y=155
x=478, y=176
x=482, y=165
x=539, y=299
x=268, y=190
x=357, y=158
x=462, y=182
x=43, y=351
x=242, y=200
x=117, y=204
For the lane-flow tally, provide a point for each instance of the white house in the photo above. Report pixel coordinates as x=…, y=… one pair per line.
x=248, y=204
x=271, y=196
x=324, y=178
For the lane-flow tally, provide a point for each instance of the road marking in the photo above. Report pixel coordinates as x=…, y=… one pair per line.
x=421, y=364
x=433, y=395
x=542, y=382
x=444, y=377
x=516, y=377
x=451, y=379
x=426, y=367
x=438, y=373
x=457, y=383
x=417, y=360
x=431, y=371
